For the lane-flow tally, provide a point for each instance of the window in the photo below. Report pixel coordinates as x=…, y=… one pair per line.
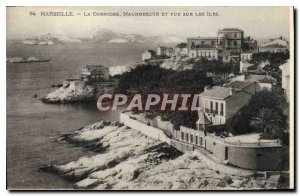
x=182, y=136
x=235, y=35
x=196, y=140
x=200, y=141
x=212, y=43
x=217, y=108
x=235, y=43
x=192, y=139
x=202, y=42
x=192, y=45
x=211, y=106
x=187, y=137
x=222, y=109
x=221, y=43
x=208, y=54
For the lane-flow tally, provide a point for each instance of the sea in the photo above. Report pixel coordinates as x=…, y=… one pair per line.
x=33, y=127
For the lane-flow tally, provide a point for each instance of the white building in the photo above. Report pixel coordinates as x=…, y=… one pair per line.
x=285, y=68
x=274, y=45
x=208, y=53
x=246, y=55
x=220, y=103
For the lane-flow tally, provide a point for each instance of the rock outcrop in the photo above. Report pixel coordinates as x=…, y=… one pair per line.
x=128, y=160
x=66, y=94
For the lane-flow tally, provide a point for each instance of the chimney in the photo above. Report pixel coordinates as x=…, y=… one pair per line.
x=230, y=91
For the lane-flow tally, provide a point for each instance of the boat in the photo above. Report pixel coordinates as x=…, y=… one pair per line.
x=30, y=59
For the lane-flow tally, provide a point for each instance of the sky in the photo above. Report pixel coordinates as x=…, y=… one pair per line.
x=257, y=22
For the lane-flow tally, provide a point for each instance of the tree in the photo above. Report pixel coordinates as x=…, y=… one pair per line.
x=240, y=122
x=265, y=120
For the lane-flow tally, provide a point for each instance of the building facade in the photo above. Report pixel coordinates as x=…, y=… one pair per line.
x=226, y=46
x=221, y=103
x=246, y=55
x=275, y=45
x=94, y=73
x=285, y=68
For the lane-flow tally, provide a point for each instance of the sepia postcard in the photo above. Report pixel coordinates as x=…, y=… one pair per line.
x=150, y=98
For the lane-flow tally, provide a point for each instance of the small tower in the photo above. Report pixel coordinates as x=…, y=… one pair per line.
x=203, y=120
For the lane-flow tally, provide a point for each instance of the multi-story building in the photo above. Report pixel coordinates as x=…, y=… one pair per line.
x=205, y=47
x=221, y=103
x=230, y=42
x=227, y=46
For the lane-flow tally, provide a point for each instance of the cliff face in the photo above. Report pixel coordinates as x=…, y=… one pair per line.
x=128, y=160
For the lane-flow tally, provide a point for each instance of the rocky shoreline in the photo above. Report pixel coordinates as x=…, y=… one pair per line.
x=126, y=159
x=65, y=94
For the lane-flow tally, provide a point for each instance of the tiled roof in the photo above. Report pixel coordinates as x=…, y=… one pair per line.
x=261, y=78
x=240, y=84
x=217, y=92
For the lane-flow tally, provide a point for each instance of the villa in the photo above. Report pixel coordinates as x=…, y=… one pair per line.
x=227, y=45
x=275, y=45
x=94, y=73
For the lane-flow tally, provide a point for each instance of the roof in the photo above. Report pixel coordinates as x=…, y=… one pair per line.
x=240, y=84
x=273, y=46
x=203, y=38
x=230, y=29
x=217, y=92
x=261, y=78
